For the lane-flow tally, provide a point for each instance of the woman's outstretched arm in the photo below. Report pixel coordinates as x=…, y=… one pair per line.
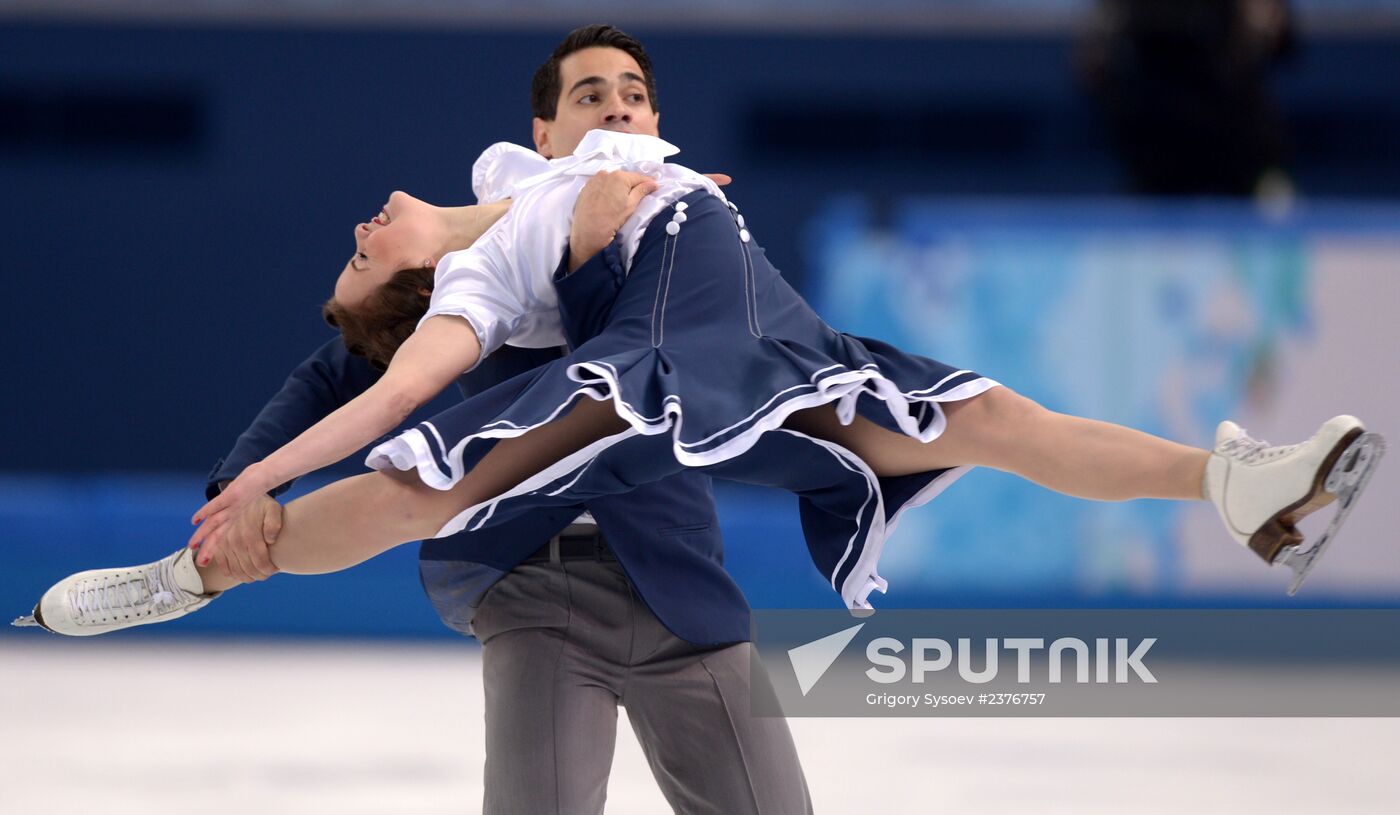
x=428, y=361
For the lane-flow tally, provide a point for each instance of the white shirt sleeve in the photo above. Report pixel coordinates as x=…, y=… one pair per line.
x=502, y=284
x=479, y=285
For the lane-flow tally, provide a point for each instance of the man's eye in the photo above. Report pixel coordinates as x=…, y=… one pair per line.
x=637, y=97
x=591, y=97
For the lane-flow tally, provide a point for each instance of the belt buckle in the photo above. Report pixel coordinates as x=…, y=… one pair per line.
x=593, y=541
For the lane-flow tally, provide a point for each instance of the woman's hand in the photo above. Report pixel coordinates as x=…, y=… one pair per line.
x=223, y=522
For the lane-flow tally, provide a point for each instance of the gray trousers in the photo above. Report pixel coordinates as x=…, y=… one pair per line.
x=563, y=644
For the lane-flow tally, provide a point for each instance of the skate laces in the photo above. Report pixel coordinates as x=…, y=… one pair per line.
x=1247, y=450
x=155, y=585
x=160, y=582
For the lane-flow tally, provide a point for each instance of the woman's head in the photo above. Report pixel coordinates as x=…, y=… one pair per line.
x=406, y=234
x=383, y=290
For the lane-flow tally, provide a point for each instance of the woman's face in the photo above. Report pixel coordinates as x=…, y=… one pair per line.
x=406, y=233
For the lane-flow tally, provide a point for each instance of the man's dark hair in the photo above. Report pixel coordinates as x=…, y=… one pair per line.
x=378, y=326
x=546, y=87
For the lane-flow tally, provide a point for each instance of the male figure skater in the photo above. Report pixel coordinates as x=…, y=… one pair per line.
x=575, y=616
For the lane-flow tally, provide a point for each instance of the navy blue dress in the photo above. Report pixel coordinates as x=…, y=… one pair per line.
x=705, y=350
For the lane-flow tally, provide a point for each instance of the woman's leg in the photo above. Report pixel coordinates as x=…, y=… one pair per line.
x=355, y=519
x=1006, y=431
x=352, y=520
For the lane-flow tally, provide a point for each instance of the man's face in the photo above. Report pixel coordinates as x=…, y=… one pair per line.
x=600, y=88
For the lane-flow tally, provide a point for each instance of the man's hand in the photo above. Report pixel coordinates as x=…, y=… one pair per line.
x=606, y=201
x=237, y=528
x=604, y=204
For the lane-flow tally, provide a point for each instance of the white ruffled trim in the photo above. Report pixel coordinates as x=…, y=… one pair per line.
x=843, y=388
x=412, y=450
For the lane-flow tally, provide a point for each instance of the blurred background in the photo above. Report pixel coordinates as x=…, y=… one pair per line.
x=1155, y=212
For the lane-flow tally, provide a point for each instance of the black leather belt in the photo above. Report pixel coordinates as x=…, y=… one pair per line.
x=575, y=542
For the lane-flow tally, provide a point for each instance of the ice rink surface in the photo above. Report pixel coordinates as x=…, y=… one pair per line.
x=145, y=727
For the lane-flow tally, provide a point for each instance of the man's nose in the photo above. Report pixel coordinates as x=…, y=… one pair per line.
x=617, y=112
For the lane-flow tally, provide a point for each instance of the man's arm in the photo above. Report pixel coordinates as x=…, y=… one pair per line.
x=587, y=292
x=591, y=273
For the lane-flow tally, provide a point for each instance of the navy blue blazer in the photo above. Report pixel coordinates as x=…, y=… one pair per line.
x=665, y=534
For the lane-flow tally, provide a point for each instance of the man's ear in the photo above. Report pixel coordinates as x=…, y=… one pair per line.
x=425, y=292
x=540, y=131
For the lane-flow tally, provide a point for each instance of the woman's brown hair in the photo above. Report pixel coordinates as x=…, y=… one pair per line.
x=377, y=328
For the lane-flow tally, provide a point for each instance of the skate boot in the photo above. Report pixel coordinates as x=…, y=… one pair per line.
x=104, y=600
x=1262, y=492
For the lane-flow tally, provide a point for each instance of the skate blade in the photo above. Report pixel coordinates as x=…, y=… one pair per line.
x=1347, y=480
x=27, y=621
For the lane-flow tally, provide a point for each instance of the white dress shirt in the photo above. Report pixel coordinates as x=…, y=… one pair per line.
x=502, y=285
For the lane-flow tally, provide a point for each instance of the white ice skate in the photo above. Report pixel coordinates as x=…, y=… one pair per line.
x=105, y=600
x=1262, y=492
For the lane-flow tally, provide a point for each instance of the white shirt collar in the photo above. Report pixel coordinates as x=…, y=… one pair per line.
x=504, y=167
x=629, y=147
x=602, y=148
x=500, y=167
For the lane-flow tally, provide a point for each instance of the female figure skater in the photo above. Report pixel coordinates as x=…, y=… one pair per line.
x=697, y=353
